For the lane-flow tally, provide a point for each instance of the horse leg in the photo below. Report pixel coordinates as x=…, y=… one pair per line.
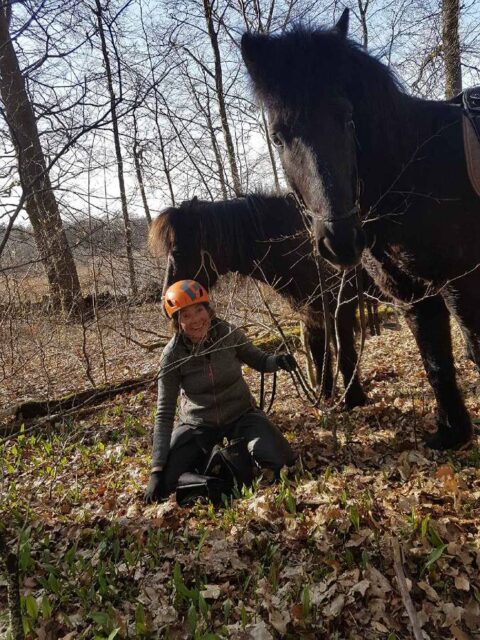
x=463, y=300
x=321, y=354
x=376, y=317
x=430, y=324
x=371, y=323
x=347, y=355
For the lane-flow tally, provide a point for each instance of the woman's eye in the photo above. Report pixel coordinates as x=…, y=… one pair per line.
x=277, y=138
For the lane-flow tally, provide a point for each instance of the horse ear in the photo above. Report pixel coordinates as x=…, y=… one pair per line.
x=342, y=25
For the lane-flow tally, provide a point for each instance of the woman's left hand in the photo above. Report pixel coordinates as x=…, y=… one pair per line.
x=286, y=362
x=152, y=492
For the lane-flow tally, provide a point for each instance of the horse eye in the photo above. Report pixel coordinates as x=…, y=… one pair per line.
x=277, y=138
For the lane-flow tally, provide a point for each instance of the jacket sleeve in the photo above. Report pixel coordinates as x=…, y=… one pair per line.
x=253, y=356
x=168, y=390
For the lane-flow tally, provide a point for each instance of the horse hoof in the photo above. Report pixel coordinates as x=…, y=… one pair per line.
x=357, y=399
x=449, y=440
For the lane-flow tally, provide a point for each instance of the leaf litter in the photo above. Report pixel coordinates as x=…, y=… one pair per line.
x=310, y=557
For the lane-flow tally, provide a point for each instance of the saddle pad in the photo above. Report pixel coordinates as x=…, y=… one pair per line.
x=470, y=100
x=471, y=145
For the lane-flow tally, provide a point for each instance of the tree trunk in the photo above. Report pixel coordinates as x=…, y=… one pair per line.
x=163, y=151
x=451, y=47
x=118, y=152
x=137, y=157
x=363, y=7
x=40, y=202
x=205, y=108
x=208, y=8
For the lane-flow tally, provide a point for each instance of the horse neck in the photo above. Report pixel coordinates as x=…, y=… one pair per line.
x=232, y=231
x=412, y=130
x=283, y=257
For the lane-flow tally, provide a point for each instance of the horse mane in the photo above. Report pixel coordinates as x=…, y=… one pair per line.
x=225, y=227
x=291, y=65
x=161, y=236
x=294, y=71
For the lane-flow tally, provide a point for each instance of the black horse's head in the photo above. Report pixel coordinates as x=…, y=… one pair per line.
x=303, y=77
x=177, y=233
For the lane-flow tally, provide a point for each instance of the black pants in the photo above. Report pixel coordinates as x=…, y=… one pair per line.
x=266, y=445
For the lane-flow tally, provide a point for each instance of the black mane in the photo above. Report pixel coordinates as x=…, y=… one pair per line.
x=299, y=65
x=233, y=227
x=301, y=68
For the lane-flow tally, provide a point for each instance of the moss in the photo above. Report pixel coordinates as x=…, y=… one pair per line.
x=272, y=341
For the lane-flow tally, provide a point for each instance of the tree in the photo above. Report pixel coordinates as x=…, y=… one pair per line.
x=208, y=9
x=451, y=47
x=37, y=192
x=118, y=150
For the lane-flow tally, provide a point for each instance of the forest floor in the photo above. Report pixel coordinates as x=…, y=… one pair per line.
x=310, y=557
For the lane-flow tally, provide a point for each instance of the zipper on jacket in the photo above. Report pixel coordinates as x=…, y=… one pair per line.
x=212, y=379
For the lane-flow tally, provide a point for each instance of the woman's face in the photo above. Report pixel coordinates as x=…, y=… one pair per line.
x=194, y=322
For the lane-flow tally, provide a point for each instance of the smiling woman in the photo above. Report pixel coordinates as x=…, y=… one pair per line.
x=202, y=364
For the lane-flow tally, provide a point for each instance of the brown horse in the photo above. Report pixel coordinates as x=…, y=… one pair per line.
x=264, y=237
x=385, y=172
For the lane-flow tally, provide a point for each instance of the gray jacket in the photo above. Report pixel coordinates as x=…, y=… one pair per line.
x=208, y=377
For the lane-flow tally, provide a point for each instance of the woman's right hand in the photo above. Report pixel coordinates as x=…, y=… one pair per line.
x=152, y=492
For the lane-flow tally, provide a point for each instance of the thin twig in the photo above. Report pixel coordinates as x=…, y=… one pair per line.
x=402, y=585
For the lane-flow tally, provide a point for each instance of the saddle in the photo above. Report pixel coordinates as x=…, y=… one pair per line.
x=469, y=100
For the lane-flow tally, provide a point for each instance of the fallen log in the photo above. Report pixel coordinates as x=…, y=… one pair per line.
x=80, y=401
x=36, y=413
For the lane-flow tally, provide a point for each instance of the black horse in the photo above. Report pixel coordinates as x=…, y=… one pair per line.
x=383, y=173
x=264, y=237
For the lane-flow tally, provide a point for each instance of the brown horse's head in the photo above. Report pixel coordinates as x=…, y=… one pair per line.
x=303, y=78
x=177, y=234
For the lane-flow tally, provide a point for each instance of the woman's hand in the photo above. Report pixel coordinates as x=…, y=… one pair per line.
x=152, y=492
x=286, y=362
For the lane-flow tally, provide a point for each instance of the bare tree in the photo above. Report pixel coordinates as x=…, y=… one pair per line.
x=451, y=47
x=208, y=6
x=137, y=157
x=118, y=150
x=38, y=195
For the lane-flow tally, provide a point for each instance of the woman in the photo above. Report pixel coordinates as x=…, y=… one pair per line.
x=202, y=365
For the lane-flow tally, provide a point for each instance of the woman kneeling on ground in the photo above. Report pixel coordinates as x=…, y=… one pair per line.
x=202, y=364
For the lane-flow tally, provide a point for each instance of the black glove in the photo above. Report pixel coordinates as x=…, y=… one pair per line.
x=152, y=492
x=286, y=362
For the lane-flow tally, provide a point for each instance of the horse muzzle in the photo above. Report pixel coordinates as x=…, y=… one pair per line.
x=341, y=243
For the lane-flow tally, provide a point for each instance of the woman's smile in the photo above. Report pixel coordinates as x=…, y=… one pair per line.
x=194, y=322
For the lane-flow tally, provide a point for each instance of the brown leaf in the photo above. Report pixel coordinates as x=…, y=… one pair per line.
x=335, y=607
x=458, y=634
x=361, y=587
x=462, y=583
x=279, y=620
x=444, y=471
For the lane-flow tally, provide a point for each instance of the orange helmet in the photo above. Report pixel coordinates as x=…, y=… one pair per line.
x=182, y=294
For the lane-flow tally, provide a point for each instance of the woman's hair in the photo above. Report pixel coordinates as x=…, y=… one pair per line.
x=176, y=323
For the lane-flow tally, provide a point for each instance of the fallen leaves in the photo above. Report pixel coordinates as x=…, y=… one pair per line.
x=310, y=558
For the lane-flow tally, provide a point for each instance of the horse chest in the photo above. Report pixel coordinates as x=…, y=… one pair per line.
x=394, y=273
